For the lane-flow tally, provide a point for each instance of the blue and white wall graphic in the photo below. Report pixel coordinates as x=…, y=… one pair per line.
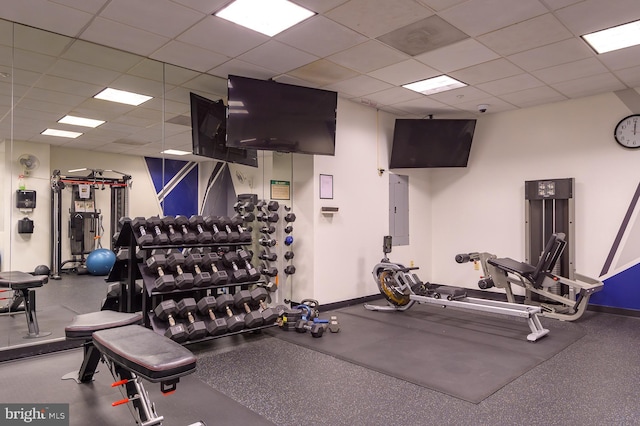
x=178, y=193
x=621, y=270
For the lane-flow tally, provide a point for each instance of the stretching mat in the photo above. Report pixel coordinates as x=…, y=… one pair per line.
x=467, y=356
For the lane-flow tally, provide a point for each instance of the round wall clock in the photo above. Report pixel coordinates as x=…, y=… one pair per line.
x=627, y=131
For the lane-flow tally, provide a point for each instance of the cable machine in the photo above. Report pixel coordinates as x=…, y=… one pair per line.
x=85, y=221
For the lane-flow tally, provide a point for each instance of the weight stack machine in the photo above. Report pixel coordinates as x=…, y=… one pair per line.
x=549, y=209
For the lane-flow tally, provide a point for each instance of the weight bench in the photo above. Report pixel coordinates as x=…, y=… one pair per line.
x=541, y=280
x=24, y=286
x=132, y=353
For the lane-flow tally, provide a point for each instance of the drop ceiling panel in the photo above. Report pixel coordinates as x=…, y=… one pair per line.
x=553, y=54
x=204, y=6
x=99, y=56
x=115, y=34
x=374, y=18
x=320, y=36
x=439, y=5
x=423, y=106
x=476, y=17
x=630, y=76
x=193, y=57
x=487, y=71
x=209, y=84
x=245, y=69
x=48, y=15
x=323, y=72
x=510, y=84
x=368, y=56
x=24, y=60
x=91, y=6
x=625, y=58
x=139, y=85
x=458, y=96
x=570, y=71
x=457, y=56
x=539, y=31
x=535, y=96
x=222, y=36
x=593, y=15
x=34, y=40
x=156, y=16
x=319, y=6
x=588, y=85
x=277, y=56
x=393, y=96
x=359, y=86
x=67, y=99
x=404, y=72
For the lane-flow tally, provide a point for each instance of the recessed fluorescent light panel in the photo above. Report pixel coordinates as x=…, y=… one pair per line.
x=60, y=133
x=174, y=152
x=268, y=17
x=122, y=96
x=433, y=85
x=614, y=38
x=80, y=121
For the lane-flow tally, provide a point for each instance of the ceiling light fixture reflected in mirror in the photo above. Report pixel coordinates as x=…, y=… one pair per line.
x=122, y=96
x=61, y=133
x=174, y=152
x=80, y=121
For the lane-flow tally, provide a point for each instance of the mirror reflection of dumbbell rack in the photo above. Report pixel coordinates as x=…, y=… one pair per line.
x=182, y=269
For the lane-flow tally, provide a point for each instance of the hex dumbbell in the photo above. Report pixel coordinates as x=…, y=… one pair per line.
x=167, y=310
x=197, y=224
x=168, y=223
x=164, y=282
x=213, y=223
x=252, y=318
x=316, y=329
x=187, y=308
x=224, y=303
x=143, y=237
x=206, y=306
x=159, y=237
x=184, y=280
x=209, y=261
x=200, y=278
x=231, y=260
x=182, y=223
x=258, y=296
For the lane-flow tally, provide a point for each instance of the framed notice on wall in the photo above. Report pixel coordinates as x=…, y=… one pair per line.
x=280, y=190
x=326, y=187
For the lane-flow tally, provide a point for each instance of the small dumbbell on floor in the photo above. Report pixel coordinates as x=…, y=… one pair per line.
x=316, y=329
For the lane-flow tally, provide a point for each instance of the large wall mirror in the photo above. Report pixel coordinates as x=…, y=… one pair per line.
x=45, y=77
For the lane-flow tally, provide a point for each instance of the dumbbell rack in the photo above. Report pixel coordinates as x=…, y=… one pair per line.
x=152, y=297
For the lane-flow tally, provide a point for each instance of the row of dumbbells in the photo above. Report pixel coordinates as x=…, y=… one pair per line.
x=191, y=320
x=193, y=230
x=177, y=271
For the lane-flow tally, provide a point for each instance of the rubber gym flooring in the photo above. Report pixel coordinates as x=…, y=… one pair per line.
x=277, y=378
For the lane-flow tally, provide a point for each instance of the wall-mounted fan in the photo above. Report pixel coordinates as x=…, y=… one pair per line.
x=29, y=163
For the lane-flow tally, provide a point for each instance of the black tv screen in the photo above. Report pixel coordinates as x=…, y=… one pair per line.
x=208, y=133
x=280, y=117
x=431, y=143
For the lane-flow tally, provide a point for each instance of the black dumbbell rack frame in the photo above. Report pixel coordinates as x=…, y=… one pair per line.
x=128, y=270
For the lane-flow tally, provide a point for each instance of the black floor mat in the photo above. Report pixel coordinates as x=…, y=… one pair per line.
x=90, y=403
x=467, y=356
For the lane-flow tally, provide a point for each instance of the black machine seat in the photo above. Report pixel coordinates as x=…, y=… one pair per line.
x=536, y=274
x=83, y=326
x=145, y=352
x=17, y=280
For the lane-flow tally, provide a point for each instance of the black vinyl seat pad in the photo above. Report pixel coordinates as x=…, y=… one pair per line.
x=510, y=265
x=145, y=352
x=83, y=326
x=17, y=280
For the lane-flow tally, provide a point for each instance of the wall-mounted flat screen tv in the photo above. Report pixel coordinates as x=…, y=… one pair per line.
x=208, y=133
x=431, y=143
x=280, y=117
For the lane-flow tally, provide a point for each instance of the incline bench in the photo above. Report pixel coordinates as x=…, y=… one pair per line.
x=132, y=353
x=24, y=286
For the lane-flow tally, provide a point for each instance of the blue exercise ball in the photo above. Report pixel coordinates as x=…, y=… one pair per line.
x=100, y=261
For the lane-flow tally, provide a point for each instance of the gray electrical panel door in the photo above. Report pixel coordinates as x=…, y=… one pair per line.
x=399, y=209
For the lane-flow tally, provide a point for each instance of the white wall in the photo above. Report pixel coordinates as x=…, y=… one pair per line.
x=481, y=208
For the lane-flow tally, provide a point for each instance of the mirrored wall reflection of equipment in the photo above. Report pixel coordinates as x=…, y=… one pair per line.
x=85, y=224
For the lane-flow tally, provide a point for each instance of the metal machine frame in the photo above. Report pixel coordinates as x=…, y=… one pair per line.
x=402, y=288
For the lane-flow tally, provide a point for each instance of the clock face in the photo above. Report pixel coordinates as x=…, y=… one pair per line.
x=627, y=132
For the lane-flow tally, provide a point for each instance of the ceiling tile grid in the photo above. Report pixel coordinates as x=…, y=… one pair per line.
x=511, y=54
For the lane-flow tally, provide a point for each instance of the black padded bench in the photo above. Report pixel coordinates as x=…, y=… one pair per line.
x=132, y=353
x=24, y=286
x=83, y=326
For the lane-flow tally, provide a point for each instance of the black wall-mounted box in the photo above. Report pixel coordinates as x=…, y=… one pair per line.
x=25, y=226
x=25, y=199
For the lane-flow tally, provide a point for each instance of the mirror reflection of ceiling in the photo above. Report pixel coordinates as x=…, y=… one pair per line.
x=511, y=57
